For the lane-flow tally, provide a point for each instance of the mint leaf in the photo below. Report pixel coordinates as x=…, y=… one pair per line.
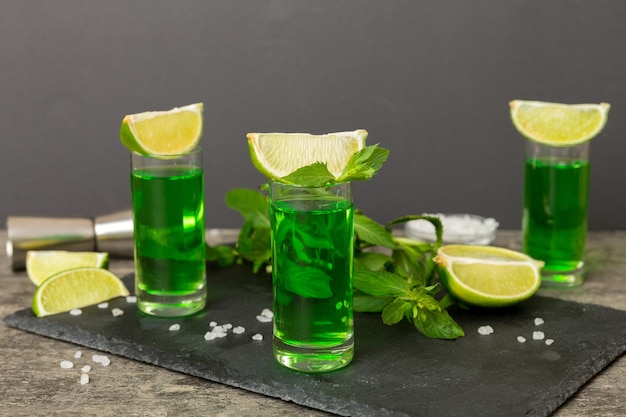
x=381, y=284
x=365, y=303
x=224, y=255
x=364, y=163
x=252, y=205
x=305, y=281
x=437, y=324
x=253, y=243
x=372, y=261
x=371, y=232
x=314, y=175
x=396, y=311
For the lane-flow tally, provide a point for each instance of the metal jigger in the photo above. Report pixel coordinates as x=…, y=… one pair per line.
x=112, y=233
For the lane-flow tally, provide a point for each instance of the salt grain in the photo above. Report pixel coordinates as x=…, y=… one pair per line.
x=267, y=313
x=101, y=359
x=257, y=336
x=131, y=299
x=521, y=339
x=103, y=305
x=538, y=321
x=549, y=341
x=78, y=354
x=264, y=319
x=117, y=312
x=213, y=324
x=174, y=327
x=66, y=364
x=227, y=326
x=84, y=379
x=209, y=336
x=538, y=335
x=239, y=330
x=76, y=312
x=485, y=330
x=85, y=368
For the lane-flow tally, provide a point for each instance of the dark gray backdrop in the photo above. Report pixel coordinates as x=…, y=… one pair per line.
x=430, y=80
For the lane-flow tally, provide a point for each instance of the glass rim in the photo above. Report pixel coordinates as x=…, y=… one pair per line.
x=195, y=151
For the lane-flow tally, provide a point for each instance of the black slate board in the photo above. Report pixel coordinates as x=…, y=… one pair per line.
x=395, y=372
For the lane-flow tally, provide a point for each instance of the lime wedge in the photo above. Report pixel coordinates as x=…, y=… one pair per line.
x=487, y=276
x=172, y=132
x=276, y=155
x=76, y=288
x=558, y=124
x=43, y=264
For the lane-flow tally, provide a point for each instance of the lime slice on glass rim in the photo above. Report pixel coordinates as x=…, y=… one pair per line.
x=487, y=276
x=76, y=288
x=41, y=265
x=557, y=124
x=277, y=155
x=172, y=132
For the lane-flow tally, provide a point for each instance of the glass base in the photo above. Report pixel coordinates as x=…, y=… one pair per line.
x=170, y=305
x=562, y=279
x=313, y=360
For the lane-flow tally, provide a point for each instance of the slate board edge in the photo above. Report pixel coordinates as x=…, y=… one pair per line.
x=111, y=345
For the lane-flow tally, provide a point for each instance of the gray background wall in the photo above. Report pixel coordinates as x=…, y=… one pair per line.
x=430, y=80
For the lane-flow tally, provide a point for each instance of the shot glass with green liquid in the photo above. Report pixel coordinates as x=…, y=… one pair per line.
x=556, y=198
x=312, y=274
x=168, y=216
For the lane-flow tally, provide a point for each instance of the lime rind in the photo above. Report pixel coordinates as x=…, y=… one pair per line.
x=557, y=124
x=495, y=258
x=276, y=155
x=42, y=264
x=165, y=137
x=76, y=288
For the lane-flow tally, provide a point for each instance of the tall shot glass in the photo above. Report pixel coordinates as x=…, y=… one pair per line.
x=312, y=274
x=168, y=216
x=556, y=199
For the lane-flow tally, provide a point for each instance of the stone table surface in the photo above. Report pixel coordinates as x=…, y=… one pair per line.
x=33, y=383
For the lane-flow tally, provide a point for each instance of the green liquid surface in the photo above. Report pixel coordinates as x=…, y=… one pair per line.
x=168, y=206
x=556, y=196
x=312, y=256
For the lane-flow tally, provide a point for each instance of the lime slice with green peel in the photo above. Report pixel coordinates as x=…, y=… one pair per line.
x=487, y=276
x=172, y=132
x=558, y=124
x=43, y=264
x=277, y=155
x=76, y=288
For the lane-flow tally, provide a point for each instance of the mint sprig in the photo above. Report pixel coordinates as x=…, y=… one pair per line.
x=393, y=275
x=361, y=166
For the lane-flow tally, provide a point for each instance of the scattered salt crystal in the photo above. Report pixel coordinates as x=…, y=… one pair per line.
x=209, y=336
x=485, y=330
x=218, y=329
x=213, y=324
x=257, y=336
x=174, y=327
x=101, y=359
x=538, y=321
x=85, y=368
x=227, y=326
x=549, y=341
x=103, y=305
x=76, y=312
x=521, y=339
x=239, y=330
x=117, y=312
x=67, y=364
x=84, y=379
x=78, y=354
x=131, y=299
x=263, y=319
x=267, y=313
x=538, y=335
